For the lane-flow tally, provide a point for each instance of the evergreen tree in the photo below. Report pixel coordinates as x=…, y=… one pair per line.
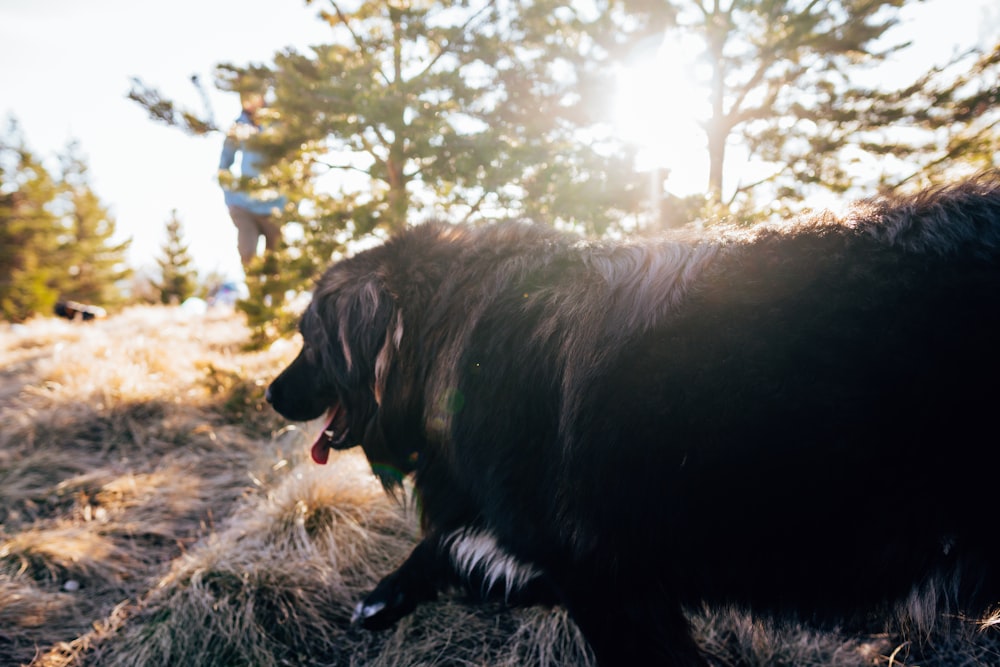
x=269, y=280
x=178, y=277
x=28, y=231
x=465, y=111
x=952, y=119
x=418, y=109
x=55, y=234
x=783, y=80
x=94, y=264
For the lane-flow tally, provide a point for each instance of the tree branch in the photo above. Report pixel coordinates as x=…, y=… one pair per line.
x=446, y=47
x=357, y=40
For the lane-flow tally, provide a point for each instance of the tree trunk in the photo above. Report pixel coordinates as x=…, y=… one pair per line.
x=717, y=129
x=399, y=203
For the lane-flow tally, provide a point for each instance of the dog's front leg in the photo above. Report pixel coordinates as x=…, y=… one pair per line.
x=427, y=571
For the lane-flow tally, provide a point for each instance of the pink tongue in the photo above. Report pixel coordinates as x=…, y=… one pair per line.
x=321, y=448
x=321, y=451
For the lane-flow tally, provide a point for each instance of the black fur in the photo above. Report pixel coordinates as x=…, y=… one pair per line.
x=800, y=420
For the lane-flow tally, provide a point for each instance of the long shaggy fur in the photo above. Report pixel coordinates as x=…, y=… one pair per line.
x=796, y=419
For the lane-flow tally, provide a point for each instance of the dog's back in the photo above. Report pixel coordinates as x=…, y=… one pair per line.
x=808, y=430
x=796, y=419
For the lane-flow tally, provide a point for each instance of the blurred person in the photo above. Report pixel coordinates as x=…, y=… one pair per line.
x=252, y=213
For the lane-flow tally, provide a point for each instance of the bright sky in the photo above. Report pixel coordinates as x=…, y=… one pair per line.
x=66, y=69
x=67, y=65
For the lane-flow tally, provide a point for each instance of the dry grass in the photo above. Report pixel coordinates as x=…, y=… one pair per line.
x=154, y=512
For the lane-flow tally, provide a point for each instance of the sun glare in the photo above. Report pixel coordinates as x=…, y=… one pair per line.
x=660, y=104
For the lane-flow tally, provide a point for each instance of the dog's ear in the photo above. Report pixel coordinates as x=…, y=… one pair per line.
x=369, y=330
x=386, y=356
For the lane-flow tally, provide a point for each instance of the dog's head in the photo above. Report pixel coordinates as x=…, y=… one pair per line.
x=350, y=336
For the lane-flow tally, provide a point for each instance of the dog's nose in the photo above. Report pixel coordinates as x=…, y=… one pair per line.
x=267, y=395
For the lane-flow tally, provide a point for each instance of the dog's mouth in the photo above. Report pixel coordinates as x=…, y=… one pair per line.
x=333, y=436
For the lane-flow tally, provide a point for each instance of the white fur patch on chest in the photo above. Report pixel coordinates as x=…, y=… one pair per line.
x=475, y=553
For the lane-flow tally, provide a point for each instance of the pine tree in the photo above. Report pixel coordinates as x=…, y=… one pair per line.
x=94, y=263
x=28, y=231
x=55, y=234
x=784, y=82
x=178, y=277
x=468, y=112
x=952, y=119
x=471, y=111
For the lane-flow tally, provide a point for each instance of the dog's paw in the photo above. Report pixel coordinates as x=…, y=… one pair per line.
x=384, y=606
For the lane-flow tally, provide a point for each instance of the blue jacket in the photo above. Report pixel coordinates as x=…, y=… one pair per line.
x=236, y=142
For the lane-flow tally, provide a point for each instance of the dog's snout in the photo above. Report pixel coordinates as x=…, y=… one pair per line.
x=268, y=394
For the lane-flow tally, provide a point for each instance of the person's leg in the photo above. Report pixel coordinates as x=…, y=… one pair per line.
x=247, y=233
x=271, y=231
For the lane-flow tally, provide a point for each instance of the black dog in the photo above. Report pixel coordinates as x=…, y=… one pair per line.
x=800, y=420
